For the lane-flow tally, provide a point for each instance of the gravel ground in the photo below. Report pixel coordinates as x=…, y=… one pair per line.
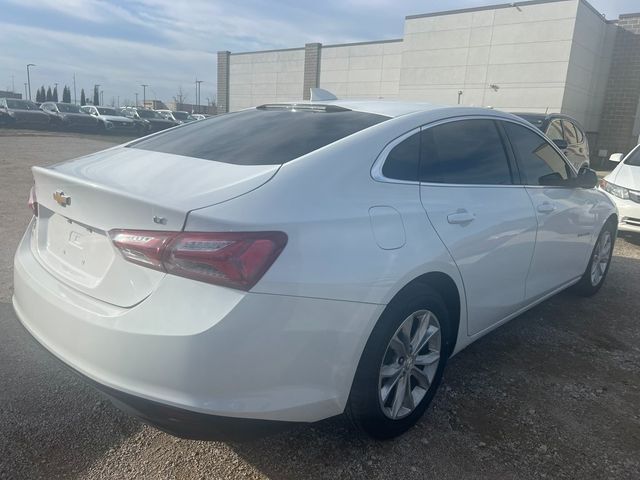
x=555, y=393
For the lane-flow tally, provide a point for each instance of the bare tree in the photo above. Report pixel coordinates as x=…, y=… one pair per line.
x=180, y=97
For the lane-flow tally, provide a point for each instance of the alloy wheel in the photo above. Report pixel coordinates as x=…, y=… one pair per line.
x=409, y=364
x=601, y=258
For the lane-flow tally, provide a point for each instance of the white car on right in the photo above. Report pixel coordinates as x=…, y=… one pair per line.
x=623, y=186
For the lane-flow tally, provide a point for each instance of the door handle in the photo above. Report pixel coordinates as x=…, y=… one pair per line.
x=460, y=217
x=546, y=207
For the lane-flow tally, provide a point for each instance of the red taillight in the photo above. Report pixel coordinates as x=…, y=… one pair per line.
x=232, y=259
x=33, y=201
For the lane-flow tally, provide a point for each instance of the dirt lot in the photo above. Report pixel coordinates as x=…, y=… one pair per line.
x=553, y=394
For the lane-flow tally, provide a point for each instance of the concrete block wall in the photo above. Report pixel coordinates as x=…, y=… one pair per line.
x=620, y=124
x=589, y=65
x=311, y=68
x=510, y=57
x=265, y=77
x=362, y=70
x=529, y=56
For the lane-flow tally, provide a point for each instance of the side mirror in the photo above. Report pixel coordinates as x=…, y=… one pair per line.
x=616, y=157
x=586, y=178
x=561, y=144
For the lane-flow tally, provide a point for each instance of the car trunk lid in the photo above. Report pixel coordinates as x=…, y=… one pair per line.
x=80, y=201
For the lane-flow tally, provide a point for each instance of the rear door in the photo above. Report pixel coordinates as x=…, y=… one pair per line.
x=566, y=216
x=484, y=218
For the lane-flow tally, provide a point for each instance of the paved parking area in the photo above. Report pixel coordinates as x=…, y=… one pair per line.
x=553, y=394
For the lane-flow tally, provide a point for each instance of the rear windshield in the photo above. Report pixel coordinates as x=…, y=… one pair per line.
x=261, y=136
x=534, y=120
x=21, y=104
x=68, y=108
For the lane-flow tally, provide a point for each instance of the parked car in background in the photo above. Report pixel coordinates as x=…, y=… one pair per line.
x=199, y=116
x=566, y=133
x=238, y=269
x=69, y=116
x=142, y=126
x=184, y=117
x=22, y=113
x=168, y=114
x=156, y=121
x=623, y=185
x=110, y=120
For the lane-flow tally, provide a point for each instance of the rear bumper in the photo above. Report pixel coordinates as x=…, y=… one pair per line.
x=201, y=348
x=185, y=423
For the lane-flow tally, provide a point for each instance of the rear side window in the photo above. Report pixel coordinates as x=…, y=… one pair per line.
x=570, y=134
x=579, y=133
x=539, y=163
x=261, y=136
x=467, y=152
x=554, y=130
x=403, y=160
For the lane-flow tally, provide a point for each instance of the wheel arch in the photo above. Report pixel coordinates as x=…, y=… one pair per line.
x=447, y=288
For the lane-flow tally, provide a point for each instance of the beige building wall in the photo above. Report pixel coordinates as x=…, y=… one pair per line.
x=589, y=66
x=514, y=58
x=363, y=70
x=265, y=77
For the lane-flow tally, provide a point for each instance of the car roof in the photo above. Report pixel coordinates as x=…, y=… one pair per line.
x=399, y=108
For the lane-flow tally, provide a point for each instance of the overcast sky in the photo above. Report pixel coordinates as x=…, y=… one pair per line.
x=168, y=43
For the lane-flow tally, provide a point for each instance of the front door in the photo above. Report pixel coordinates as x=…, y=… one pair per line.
x=566, y=216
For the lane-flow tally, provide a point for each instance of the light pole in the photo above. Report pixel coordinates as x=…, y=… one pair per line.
x=198, y=82
x=136, y=99
x=25, y=90
x=144, y=94
x=96, y=87
x=29, y=78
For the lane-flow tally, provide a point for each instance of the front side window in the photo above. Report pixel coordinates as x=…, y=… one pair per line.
x=107, y=111
x=540, y=163
x=261, y=136
x=467, y=152
x=403, y=160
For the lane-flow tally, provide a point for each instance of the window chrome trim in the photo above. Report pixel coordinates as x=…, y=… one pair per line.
x=376, y=169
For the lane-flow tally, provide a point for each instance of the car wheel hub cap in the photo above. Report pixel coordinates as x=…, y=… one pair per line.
x=601, y=258
x=409, y=364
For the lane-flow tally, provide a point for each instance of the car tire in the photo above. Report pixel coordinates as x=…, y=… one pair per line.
x=599, y=262
x=372, y=404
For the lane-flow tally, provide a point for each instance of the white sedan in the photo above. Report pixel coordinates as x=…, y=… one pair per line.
x=291, y=262
x=623, y=184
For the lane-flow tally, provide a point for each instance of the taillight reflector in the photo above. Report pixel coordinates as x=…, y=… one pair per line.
x=233, y=259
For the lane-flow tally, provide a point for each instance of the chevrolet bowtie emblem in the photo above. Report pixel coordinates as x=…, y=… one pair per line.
x=62, y=199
